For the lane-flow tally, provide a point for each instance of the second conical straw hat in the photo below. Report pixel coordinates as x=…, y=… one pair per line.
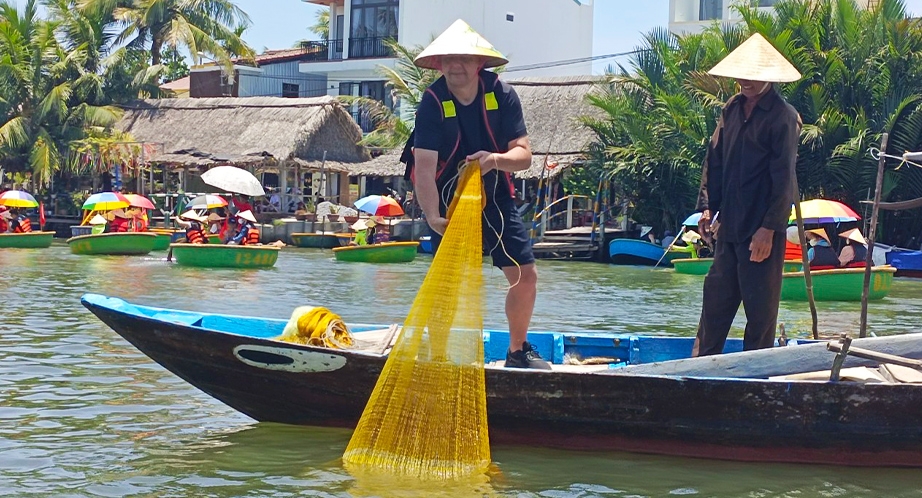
x=757, y=60
x=459, y=39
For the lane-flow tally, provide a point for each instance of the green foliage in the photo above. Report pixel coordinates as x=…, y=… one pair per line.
x=862, y=77
x=407, y=83
x=321, y=26
x=174, y=63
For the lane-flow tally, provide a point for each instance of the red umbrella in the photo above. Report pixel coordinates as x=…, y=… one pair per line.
x=139, y=201
x=379, y=205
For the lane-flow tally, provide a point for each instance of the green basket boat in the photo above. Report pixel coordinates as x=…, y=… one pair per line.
x=162, y=242
x=121, y=243
x=844, y=284
x=28, y=240
x=318, y=240
x=387, y=252
x=700, y=266
x=225, y=256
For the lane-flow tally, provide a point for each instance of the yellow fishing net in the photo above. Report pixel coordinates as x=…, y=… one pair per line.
x=427, y=416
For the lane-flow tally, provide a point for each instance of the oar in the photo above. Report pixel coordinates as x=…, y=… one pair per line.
x=676, y=239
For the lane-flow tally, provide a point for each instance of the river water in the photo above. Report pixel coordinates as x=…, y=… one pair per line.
x=83, y=413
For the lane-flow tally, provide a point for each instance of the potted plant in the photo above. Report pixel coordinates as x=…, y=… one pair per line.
x=334, y=213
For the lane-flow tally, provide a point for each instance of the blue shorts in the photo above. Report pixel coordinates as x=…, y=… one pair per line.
x=505, y=220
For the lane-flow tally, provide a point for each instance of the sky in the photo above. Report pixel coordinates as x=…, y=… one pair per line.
x=619, y=24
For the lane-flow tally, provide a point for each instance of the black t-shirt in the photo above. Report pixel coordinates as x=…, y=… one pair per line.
x=430, y=133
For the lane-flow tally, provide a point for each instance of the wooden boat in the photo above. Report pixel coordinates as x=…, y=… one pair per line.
x=726, y=407
x=639, y=252
x=386, y=252
x=121, y=243
x=700, y=266
x=317, y=240
x=225, y=256
x=844, y=284
x=28, y=240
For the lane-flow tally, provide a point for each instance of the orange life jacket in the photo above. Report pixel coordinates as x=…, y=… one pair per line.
x=24, y=226
x=195, y=236
x=4, y=226
x=252, y=236
x=118, y=225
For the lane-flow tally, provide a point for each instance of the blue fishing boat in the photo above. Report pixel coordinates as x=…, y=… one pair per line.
x=907, y=263
x=605, y=391
x=639, y=252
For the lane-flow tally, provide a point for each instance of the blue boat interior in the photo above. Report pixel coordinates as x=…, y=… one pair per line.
x=617, y=350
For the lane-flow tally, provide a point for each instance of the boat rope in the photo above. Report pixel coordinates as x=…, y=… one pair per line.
x=906, y=158
x=317, y=327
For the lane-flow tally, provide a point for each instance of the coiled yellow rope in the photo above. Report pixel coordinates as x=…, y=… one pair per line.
x=317, y=326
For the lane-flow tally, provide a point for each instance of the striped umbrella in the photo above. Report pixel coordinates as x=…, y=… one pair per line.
x=17, y=199
x=105, y=201
x=379, y=205
x=825, y=211
x=207, y=201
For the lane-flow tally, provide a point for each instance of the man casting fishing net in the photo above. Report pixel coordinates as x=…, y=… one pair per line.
x=469, y=114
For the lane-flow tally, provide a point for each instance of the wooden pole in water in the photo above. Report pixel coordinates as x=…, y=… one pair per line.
x=872, y=233
x=808, y=278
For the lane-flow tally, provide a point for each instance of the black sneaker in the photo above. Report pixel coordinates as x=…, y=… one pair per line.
x=528, y=357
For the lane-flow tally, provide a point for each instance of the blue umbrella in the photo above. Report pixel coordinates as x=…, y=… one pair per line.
x=692, y=221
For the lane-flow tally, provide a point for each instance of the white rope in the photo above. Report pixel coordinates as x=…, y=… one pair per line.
x=876, y=154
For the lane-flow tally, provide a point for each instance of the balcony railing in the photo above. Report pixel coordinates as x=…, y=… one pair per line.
x=326, y=50
x=360, y=48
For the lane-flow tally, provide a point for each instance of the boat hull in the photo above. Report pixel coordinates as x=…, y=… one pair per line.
x=29, y=240
x=316, y=240
x=639, y=252
x=701, y=266
x=387, y=252
x=123, y=243
x=740, y=419
x=224, y=256
x=843, y=284
x=907, y=263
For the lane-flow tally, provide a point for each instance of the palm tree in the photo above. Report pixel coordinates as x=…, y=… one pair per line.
x=407, y=83
x=651, y=136
x=321, y=26
x=49, y=97
x=201, y=26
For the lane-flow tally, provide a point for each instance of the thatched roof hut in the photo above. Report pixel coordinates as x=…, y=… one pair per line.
x=259, y=132
x=552, y=107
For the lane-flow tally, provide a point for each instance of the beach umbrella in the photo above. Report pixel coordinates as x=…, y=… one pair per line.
x=17, y=199
x=233, y=179
x=105, y=201
x=140, y=201
x=207, y=201
x=817, y=211
x=379, y=205
x=692, y=221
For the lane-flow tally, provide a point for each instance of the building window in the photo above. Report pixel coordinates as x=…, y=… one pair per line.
x=289, y=90
x=710, y=10
x=374, y=90
x=373, y=21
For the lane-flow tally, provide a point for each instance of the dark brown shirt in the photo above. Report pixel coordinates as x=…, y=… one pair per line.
x=749, y=166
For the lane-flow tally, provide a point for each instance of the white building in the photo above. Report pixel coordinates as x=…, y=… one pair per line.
x=692, y=16
x=531, y=33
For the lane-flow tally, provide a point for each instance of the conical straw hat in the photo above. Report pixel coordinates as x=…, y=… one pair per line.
x=191, y=215
x=459, y=39
x=247, y=215
x=756, y=60
x=855, y=235
x=821, y=232
x=97, y=220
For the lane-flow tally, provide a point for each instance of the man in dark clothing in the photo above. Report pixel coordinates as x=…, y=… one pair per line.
x=470, y=115
x=747, y=179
